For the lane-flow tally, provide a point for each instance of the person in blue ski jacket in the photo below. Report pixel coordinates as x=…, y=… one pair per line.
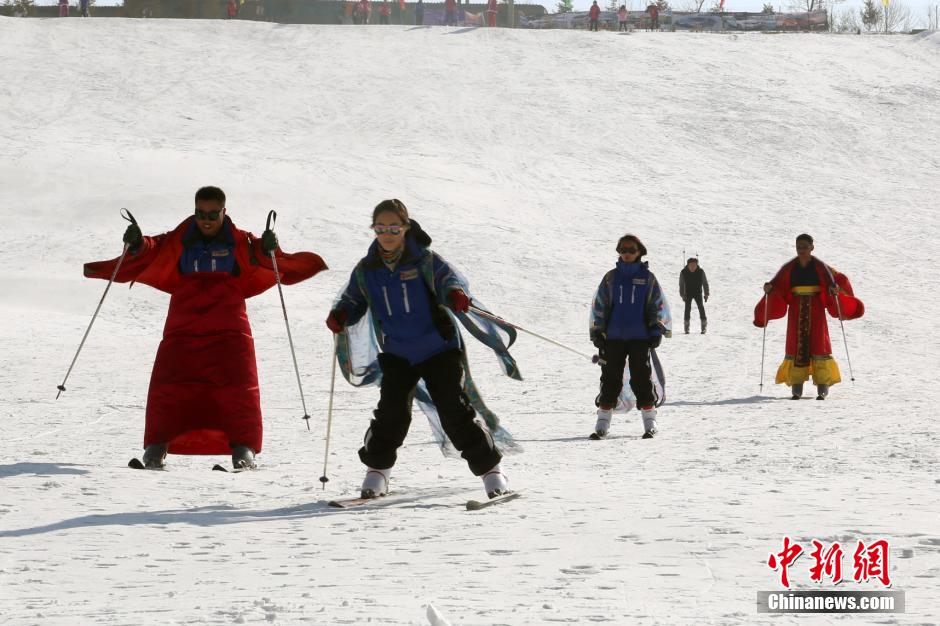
x=629, y=317
x=405, y=286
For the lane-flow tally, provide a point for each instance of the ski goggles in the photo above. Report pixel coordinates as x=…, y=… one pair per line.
x=628, y=250
x=208, y=215
x=394, y=229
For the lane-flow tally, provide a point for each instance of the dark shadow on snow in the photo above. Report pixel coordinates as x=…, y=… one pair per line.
x=424, y=27
x=750, y=400
x=223, y=514
x=461, y=31
x=40, y=469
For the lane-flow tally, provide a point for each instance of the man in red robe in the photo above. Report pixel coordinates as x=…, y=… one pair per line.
x=204, y=396
x=804, y=289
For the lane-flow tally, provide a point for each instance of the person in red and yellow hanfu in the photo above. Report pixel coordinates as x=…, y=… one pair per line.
x=204, y=396
x=803, y=290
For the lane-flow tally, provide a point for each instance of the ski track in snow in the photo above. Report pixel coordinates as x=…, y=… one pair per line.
x=525, y=155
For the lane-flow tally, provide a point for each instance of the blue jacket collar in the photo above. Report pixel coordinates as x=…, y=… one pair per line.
x=630, y=269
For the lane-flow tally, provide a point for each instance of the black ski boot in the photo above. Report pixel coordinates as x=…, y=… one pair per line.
x=243, y=457
x=822, y=391
x=155, y=456
x=686, y=327
x=797, y=391
x=704, y=325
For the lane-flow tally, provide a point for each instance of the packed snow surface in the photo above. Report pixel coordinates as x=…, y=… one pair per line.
x=525, y=155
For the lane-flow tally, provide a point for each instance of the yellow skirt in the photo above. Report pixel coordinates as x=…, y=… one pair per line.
x=823, y=369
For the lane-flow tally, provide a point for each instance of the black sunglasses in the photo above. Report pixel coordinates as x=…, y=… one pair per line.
x=208, y=215
x=628, y=250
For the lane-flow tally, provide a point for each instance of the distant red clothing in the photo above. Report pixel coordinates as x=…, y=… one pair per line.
x=653, y=10
x=450, y=5
x=595, y=12
x=232, y=8
x=204, y=394
x=385, y=10
x=492, y=10
x=808, y=347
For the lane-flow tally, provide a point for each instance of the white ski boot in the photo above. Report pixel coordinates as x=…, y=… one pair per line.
x=602, y=427
x=649, y=422
x=375, y=484
x=495, y=482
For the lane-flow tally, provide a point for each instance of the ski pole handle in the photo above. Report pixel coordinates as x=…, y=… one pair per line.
x=128, y=216
x=272, y=219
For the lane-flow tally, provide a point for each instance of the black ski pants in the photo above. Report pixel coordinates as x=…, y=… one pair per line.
x=616, y=354
x=443, y=375
x=698, y=303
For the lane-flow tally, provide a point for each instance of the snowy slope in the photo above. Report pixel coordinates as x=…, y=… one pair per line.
x=525, y=155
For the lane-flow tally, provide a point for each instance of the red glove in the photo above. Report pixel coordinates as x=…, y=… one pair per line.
x=459, y=302
x=336, y=321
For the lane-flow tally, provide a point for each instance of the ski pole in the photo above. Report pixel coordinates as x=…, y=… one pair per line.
x=844, y=342
x=763, y=343
x=130, y=218
x=329, y=412
x=495, y=318
x=272, y=218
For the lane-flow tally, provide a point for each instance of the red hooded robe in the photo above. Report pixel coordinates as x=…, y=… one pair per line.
x=204, y=395
x=809, y=351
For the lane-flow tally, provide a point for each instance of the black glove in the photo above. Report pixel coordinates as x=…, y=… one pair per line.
x=268, y=242
x=655, y=340
x=599, y=341
x=133, y=237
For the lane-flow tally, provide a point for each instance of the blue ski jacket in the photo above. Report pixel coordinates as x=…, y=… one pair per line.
x=629, y=304
x=407, y=303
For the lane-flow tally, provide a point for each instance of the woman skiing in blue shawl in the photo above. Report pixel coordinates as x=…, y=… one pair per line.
x=411, y=344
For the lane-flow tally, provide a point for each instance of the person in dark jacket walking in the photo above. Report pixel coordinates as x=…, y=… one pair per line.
x=405, y=287
x=629, y=316
x=693, y=285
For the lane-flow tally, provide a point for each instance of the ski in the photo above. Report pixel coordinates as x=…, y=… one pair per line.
x=137, y=464
x=474, y=505
x=349, y=503
x=220, y=468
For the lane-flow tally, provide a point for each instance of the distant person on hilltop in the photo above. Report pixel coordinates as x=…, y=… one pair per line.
x=692, y=286
x=231, y=9
x=594, y=14
x=622, y=17
x=492, y=10
x=362, y=10
x=804, y=289
x=204, y=396
x=385, y=13
x=419, y=13
x=83, y=6
x=450, y=12
x=653, y=10
x=629, y=318
x=63, y=8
